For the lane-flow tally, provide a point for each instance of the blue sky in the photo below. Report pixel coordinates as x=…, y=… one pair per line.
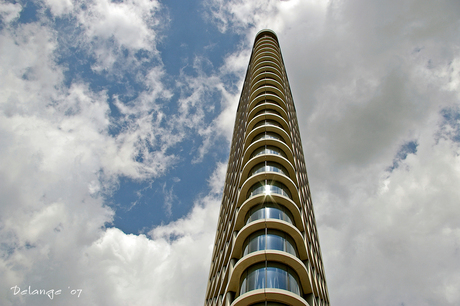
x=116, y=120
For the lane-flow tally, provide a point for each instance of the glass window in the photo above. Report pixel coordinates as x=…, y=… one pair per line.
x=268, y=66
x=277, y=278
x=266, y=78
x=267, y=101
x=268, y=150
x=268, y=135
x=269, y=275
x=268, y=166
x=269, y=240
x=269, y=210
x=267, y=122
x=268, y=92
x=267, y=111
x=267, y=85
x=267, y=188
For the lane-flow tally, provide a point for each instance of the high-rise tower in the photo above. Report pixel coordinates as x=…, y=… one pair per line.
x=266, y=250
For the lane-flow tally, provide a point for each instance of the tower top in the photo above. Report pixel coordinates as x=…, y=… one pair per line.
x=263, y=32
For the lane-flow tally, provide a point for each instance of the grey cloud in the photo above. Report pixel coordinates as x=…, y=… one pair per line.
x=368, y=77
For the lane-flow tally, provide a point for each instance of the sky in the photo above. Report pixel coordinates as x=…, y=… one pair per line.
x=115, y=126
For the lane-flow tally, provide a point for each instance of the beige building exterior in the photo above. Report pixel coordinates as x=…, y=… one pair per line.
x=266, y=249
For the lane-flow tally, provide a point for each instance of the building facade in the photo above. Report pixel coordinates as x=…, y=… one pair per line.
x=266, y=249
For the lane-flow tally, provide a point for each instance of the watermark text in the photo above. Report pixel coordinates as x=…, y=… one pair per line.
x=51, y=293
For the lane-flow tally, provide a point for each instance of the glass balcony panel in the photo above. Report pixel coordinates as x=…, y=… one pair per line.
x=256, y=215
x=275, y=167
x=267, y=101
x=256, y=279
x=275, y=242
x=278, y=190
x=272, y=240
x=268, y=92
x=268, y=150
x=267, y=111
x=274, y=213
x=243, y=285
x=269, y=188
x=273, y=275
x=290, y=248
x=267, y=122
x=293, y=285
x=255, y=243
x=268, y=167
x=270, y=211
x=268, y=135
x=277, y=278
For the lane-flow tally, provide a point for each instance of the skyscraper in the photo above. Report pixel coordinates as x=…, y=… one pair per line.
x=266, y=249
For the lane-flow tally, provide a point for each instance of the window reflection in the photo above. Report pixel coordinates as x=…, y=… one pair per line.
x=269, y=210
x=267, y=101
x=267, y=122
x=268, y=92
x=265, y=78
x=268, y=86
x=268, y=150
x=269, y=275
x=267, y=111
x=269, y=240
x=267, y=188
x=268, y=166
x=268, y=135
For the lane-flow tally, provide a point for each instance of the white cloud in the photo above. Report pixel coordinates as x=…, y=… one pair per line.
x=120, y=269
x=60, y=7
x=59, y=160
x=9, y=11
x=113, y=32
x=394, y=233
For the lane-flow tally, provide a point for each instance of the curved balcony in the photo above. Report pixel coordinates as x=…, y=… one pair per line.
x=271, y=256
x=264, y=69
x=269, y=158
x=268, y=58
x=261, y=79
x=278, y=133
x=287, y=203
x=267, y=52
x=267, y=111
x=268, y=89
x=267, y=44
x=278, y=297
x=268, y=179
x=268, y=142
x=275, y=67
x=269, y=239
x=265, y=74
x=260, y=55
x=273, y=224
x=268, y=116
x=267, y=82
x=269, y=151
x=268, y=97
x=265, y=39
x=267, y=47
x=269, y=210
x=267, y=166
x=268, y=106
